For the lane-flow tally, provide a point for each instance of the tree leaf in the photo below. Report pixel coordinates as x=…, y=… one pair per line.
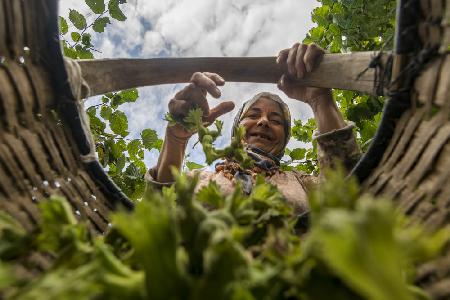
x=97, y=126
x=211, y=196
x=193, y=165
x=77, y=19
x=75, y=36
x=120, y=163
x=134, y=147
x=130, y=95
x=105, y=112
x=63, y=27
x=97, y=6
x=83, y=52
x=297, y=154
x=149, y=138
x=115, y=11
x=100, y=24
x=119, y=123
x=86, y=39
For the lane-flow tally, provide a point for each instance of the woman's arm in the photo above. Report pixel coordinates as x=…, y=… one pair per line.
x=335, y=137
x=326, y=113
x=172, y=154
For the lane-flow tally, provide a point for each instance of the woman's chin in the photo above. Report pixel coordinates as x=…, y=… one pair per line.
x=263, y=145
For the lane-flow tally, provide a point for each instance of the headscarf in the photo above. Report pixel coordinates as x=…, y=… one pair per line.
x=263, y=160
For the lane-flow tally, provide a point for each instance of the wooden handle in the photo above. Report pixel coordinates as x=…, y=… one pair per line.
x=341, y=71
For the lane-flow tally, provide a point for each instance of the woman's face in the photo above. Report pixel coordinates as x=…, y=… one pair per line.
x=264, y=125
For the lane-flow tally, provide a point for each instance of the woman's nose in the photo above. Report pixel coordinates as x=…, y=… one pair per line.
x=263, y=121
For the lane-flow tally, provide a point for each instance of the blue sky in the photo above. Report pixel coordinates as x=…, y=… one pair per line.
x=196, y=28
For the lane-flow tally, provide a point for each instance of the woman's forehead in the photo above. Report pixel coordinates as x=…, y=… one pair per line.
x=264, y=103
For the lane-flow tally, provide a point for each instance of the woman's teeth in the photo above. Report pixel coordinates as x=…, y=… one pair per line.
x=262, y=136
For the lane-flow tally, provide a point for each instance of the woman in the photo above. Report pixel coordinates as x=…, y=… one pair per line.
x=267, y=121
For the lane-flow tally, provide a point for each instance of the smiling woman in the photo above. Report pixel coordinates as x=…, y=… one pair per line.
x=267, y=123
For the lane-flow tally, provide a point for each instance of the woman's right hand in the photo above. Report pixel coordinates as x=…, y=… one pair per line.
x=194, y=95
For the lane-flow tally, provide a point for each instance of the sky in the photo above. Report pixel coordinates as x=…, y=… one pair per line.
x=200, y=28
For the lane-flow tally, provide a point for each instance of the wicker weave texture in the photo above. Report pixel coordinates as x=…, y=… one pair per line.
x=415, y=169
x=38, y=156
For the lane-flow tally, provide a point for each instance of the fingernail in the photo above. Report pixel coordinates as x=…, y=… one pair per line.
x=217, y=91
x=308, y=68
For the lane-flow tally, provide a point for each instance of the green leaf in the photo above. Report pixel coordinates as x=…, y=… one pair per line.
x=86, y=39
x=100, y=24
x=133, y=172
x=105, y=112
x=149, y=138
x=193, y=119
x=13, y=238
x=297, y=154
x=130, y=95
x=134, y=147
x=97, y=126
x=83, y=52
x=75, y=36
x=303, y=132
x=97, y=6
x=68, y=51
x=120, y=163
x=211, y=196
x=60, y=230
x=149, y=230
x=114, y=10
x=115, y=150
x=193, y=165
x=158, y=144
x=119, y=123
x=77, y=19
x=63, y=27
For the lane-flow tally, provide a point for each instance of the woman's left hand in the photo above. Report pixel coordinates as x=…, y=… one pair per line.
x=300, y=60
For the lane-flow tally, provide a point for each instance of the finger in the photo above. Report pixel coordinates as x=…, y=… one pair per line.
x=192, y=93
x=179, y=108
x=203, y=81
x=222, y=108
x=299, y=61
x=291, y=59
x=282, y=56
x=285, y=84
x=313, y=56
x=216, y=78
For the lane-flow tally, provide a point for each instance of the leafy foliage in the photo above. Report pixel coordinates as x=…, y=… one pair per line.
x=122, y=156
x=80, y=44
x=239, y=247
x=348, y=26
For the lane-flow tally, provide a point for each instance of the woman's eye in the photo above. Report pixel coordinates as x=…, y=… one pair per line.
x=277, y=122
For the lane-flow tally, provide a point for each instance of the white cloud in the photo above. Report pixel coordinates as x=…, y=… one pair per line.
x=183, y=28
